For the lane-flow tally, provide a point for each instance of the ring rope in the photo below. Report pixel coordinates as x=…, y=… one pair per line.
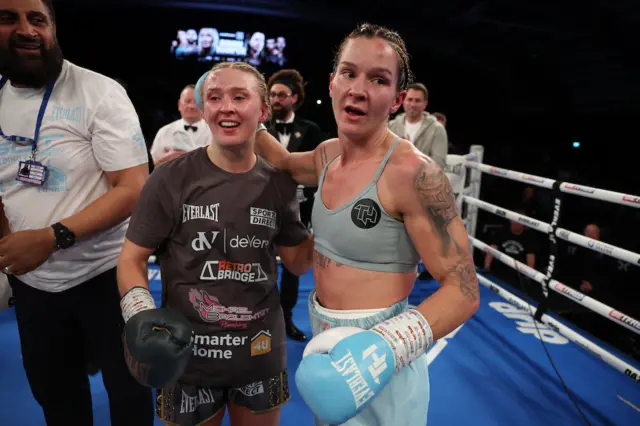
x=566, y=187
x=599, y=246
x=620, y=365
x=511, y=174
x=516, y=217
x=470, y=196
x=558, y=287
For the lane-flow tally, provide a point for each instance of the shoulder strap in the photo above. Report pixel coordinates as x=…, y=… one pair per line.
x=386, y=159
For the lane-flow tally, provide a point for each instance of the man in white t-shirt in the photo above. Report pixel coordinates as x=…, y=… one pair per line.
x=65, y=210
x=183, y=135
x=419, y=127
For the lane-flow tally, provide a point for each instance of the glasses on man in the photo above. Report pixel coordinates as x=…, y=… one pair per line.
x=280, y=95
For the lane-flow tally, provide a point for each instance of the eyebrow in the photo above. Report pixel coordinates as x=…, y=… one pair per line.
x=375, y=69
x=231, y=89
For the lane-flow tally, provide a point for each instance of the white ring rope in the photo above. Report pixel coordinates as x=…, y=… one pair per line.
x=470, y=195
x=599, y=246
x=574, y=295
x=516, y=217
x=601, y=194
x=566, y=187
x=510, y=174
x=620, y=365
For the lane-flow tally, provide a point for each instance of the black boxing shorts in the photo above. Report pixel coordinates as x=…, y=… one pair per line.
x=189, y=405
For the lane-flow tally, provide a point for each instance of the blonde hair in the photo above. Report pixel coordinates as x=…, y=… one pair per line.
x=248, y=68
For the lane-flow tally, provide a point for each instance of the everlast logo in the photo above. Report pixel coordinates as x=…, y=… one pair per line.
x=209, y=212
x=347, y=367
x=189, y=404
x=550, y=267
x=528, y=222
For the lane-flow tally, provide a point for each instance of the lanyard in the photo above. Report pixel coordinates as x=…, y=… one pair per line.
x=24, y=140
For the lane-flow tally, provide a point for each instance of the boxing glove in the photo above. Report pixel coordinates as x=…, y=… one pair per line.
x=344, y=368
x=157, y=341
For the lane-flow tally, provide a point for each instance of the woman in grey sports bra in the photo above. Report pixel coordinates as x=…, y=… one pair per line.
x=381, y=206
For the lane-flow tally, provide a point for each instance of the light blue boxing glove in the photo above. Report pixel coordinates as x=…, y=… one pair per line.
x=344, y=368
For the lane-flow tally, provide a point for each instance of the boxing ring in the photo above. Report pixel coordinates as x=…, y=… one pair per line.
x=501, y=367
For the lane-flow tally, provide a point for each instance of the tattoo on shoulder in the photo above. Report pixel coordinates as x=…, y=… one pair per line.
x=323, y=261
x=436, y=197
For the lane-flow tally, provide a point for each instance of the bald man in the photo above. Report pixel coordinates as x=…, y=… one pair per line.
x=183, y=135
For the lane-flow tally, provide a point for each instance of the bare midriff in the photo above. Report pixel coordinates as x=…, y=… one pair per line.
x=343, y=287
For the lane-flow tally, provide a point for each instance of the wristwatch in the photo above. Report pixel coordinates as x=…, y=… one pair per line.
x=65, y=238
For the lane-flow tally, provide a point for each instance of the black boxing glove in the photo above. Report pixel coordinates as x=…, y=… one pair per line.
x=157, y=341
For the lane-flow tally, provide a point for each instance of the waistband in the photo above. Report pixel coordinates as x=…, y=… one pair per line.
x=323, y=318
x=343, y=314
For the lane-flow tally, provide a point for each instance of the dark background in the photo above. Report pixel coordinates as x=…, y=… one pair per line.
x=523, y=78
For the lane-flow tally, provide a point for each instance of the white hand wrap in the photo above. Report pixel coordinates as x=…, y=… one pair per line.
x=408, y=334
x=136, y=300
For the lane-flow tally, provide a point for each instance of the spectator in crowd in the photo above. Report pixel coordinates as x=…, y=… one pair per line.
x=419, y=127
x=183, y=135
x=518, y=242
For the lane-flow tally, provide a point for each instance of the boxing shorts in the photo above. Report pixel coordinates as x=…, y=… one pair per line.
x=189, y=405
x=405, y=400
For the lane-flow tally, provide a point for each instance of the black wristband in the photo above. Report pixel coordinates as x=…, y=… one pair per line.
x=65, y=238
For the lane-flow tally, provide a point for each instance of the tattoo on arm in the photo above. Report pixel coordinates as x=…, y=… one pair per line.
x=465, y=274
x=323, y=261
x=437, y=200
x=439, y=204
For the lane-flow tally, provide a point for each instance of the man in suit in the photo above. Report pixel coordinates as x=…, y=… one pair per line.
x=286, y=90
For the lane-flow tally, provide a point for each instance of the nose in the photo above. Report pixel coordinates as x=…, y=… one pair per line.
x=226, y=106
x=25, y=29
x=357, y=89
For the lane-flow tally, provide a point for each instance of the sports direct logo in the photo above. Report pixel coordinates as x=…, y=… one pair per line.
x=215, y=270
x=211, y=310
x=263, y=217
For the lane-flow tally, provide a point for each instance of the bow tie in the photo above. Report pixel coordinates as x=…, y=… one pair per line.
x=284, y=128
x=192, y=128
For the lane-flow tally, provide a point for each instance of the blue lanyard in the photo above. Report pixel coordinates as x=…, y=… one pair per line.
x=24, y=140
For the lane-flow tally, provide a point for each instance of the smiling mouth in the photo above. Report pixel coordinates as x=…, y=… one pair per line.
x=228, y=124
x=34, y=47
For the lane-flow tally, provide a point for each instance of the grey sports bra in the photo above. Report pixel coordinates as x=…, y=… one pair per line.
x=361, y=233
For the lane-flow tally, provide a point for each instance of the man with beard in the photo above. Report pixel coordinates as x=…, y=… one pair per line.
x=73, y=164
x=286, y=89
